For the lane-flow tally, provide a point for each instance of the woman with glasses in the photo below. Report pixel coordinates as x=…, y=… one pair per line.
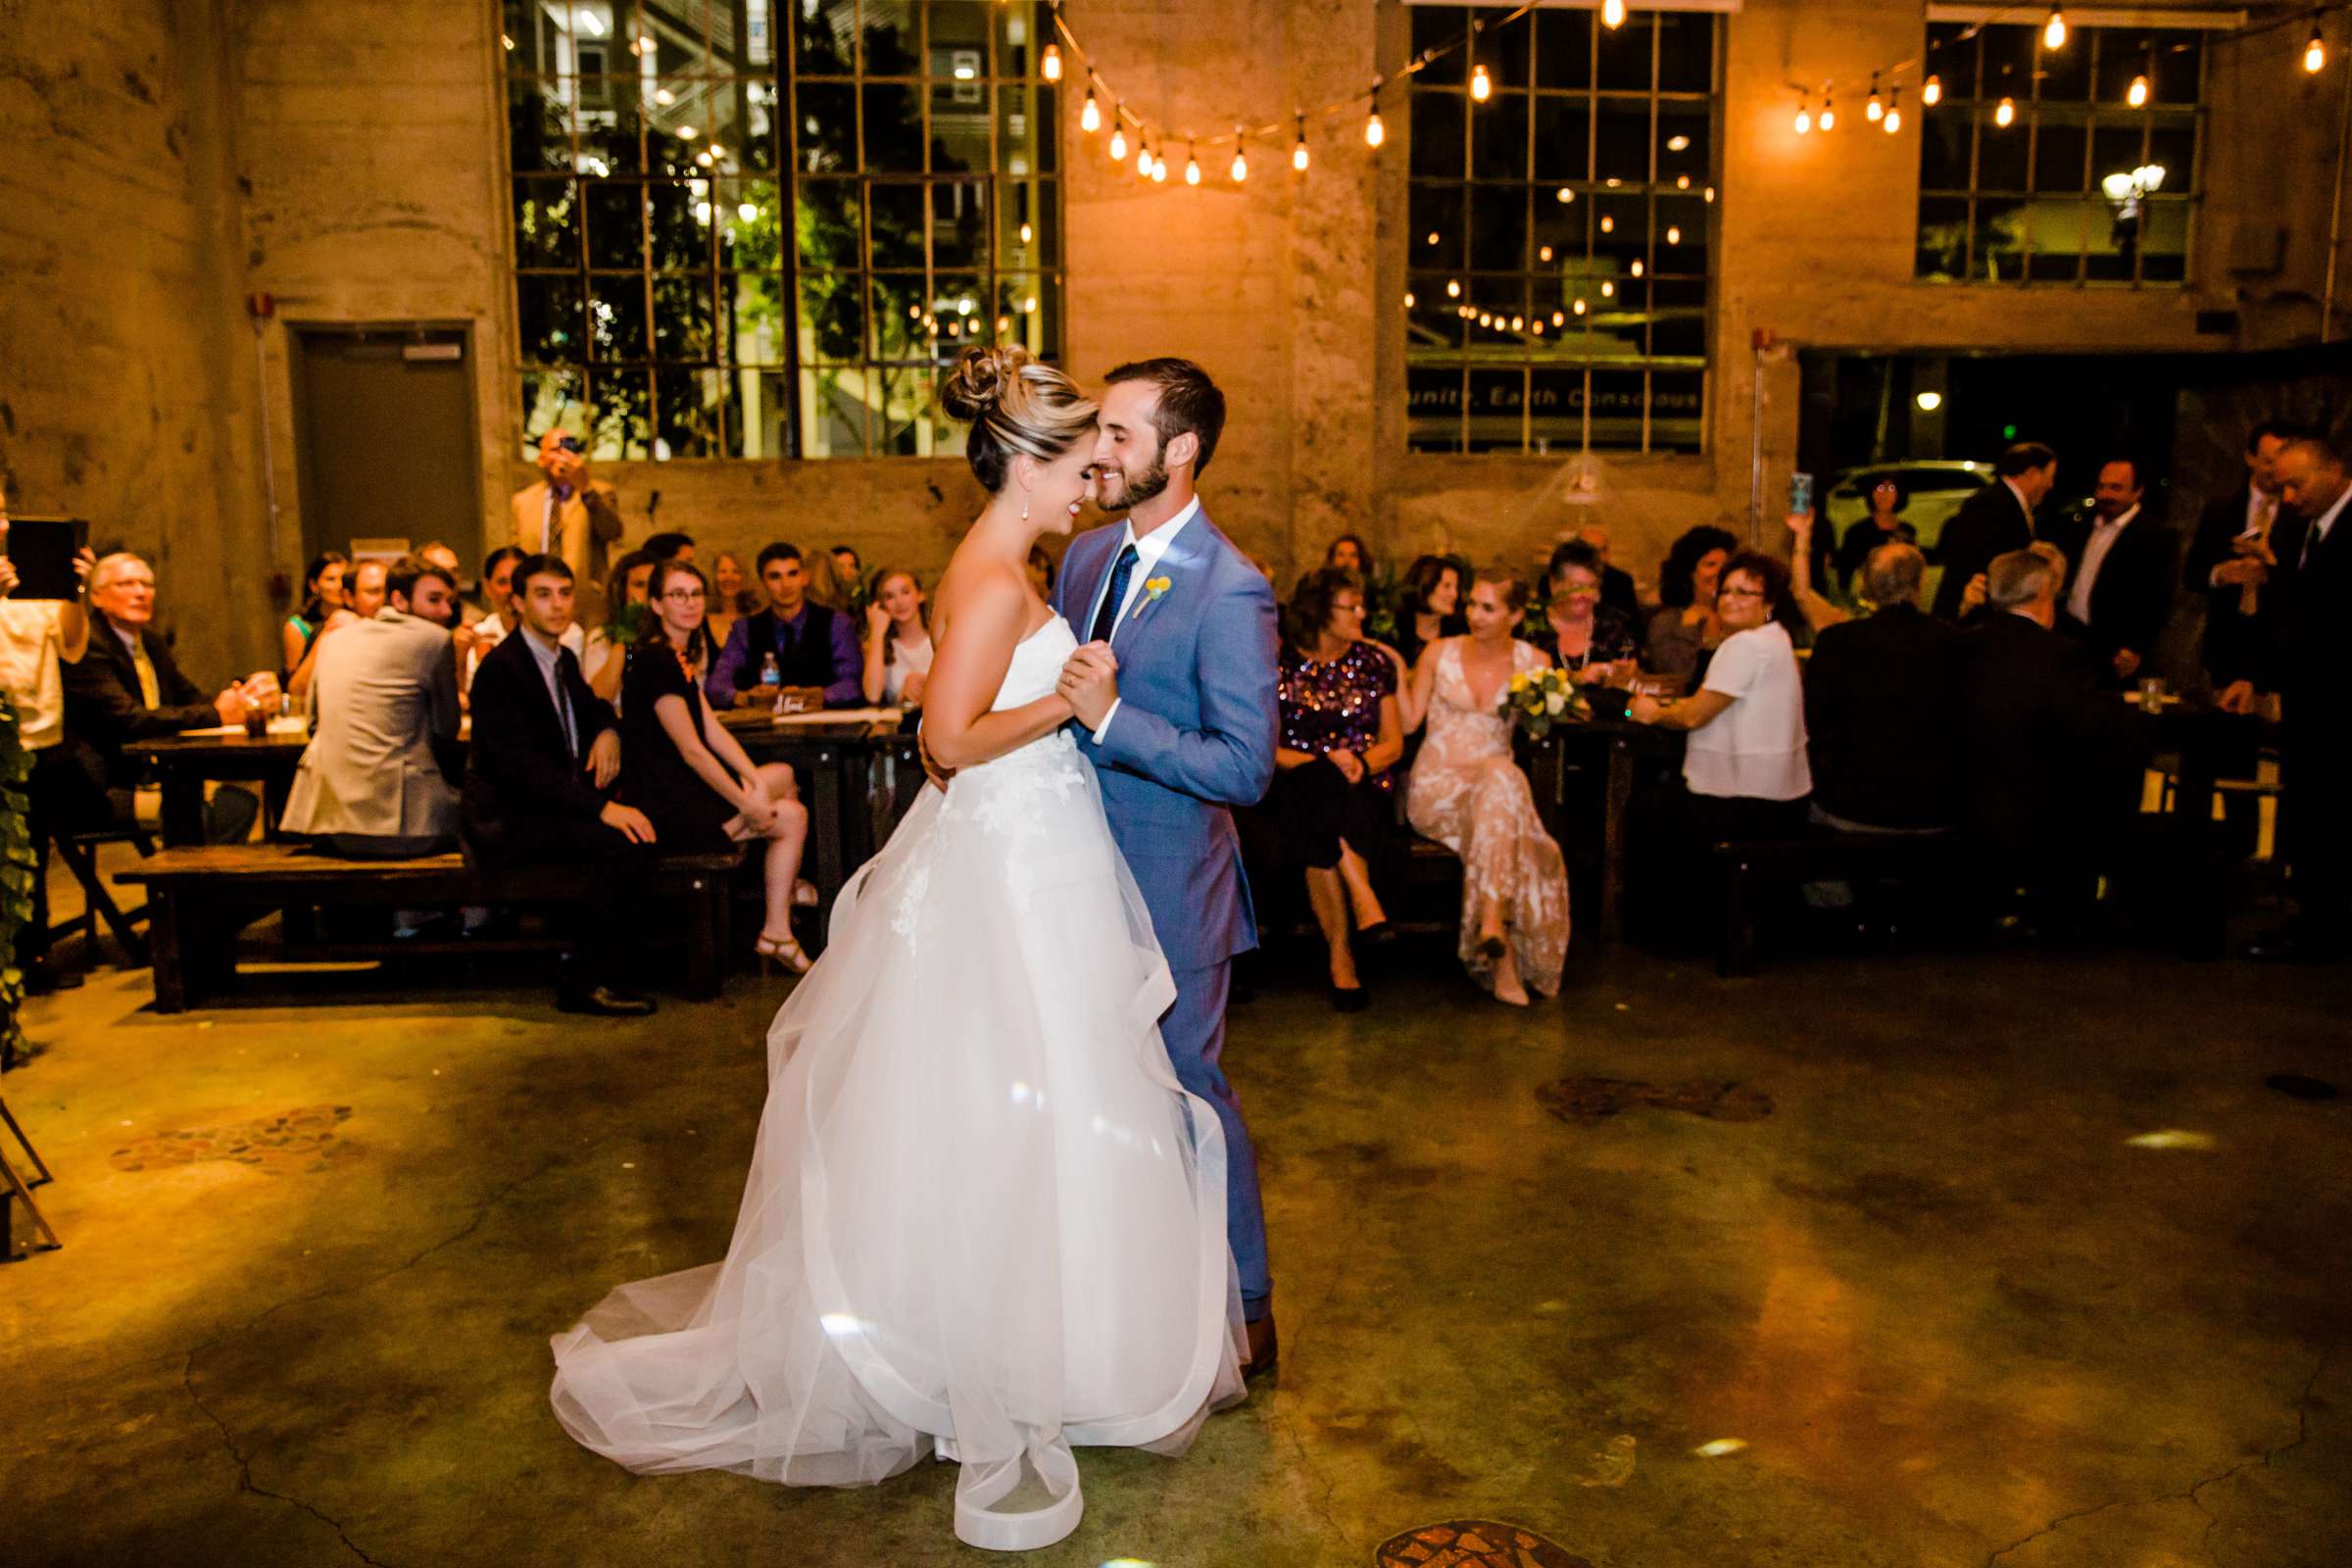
x=1584, y=636
x=685, y=773
x=1340, y=734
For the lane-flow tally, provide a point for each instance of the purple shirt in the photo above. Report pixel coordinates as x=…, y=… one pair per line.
x=737, y=666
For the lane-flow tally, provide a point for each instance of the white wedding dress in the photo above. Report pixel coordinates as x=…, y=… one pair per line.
x=983, y=1218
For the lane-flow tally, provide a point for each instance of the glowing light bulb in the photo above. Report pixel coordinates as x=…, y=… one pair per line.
x=1608, y=289
x=1374, y=132
x=1682, y=183
x=1543, y=255
x=747, y=210
x=1612, y=13
x=1241, y=166
x=1635, y=268
x=2314, y=53
x=2137, y=96
x=1564, y=196
x=1894, y=110
x=1803, y=123
x=1482, y=88
x=1118, y=143
x=1483, y=319
x=1453, y=288
x=1090, y=115
x=1298, y=153
x=1674, y=237
x=686, y=133
x=1559, y=318
x=1931, y=91
x=1535, y=326
x=1192, y=167
x=1829, y=112
x=2053, y=31
x=1518, y=323
x=1874, y=111
x=1143, y=162
x=1160, y=171
x=1028, y=233
x=1608, y=225
x=1048, y=64
x=1710, y=193
x=1409, y=299
x=1579, y=307
x=2004, y=112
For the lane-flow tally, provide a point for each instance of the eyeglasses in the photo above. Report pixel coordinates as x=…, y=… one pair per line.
x=1740, y=593
x=571, y=442
x=684, y=595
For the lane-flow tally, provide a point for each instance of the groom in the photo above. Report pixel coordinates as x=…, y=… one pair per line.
x=1174, y=690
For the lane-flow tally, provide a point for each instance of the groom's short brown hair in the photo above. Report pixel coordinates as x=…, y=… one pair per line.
x=1188, y=401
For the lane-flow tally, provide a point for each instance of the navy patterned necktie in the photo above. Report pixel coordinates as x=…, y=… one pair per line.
x=1114, y=594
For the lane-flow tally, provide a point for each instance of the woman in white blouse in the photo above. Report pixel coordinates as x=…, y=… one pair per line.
x=1745, y=763
x=898, y=641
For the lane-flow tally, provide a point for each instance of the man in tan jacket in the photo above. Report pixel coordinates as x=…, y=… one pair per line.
x=567, y=514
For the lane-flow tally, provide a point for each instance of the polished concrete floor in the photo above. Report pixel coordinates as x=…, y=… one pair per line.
x=1921, y=1290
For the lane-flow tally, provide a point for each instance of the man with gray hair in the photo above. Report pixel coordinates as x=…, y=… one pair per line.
x=2049, y=763
x=1881, y=706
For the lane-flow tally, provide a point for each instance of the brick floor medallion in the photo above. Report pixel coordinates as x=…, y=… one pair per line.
x=303, y=1139
x=1474, y=1544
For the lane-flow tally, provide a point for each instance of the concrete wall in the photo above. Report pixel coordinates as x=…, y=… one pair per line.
x=346, y=156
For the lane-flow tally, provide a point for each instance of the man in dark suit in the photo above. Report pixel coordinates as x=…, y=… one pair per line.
x=545, y=751
x=2119, y=572
x=2050, y=762
x=1881, y=706
x=1994, y=521
x=127, y=687
x=2231, y=561
x=2304, y=664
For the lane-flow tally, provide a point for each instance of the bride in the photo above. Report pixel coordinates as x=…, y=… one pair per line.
x=983, y=1218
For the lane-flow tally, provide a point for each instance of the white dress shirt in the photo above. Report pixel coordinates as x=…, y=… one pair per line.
x=2103, y=536
x=1148, y=552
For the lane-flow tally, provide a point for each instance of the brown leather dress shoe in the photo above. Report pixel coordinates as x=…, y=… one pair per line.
x=1265, y=1349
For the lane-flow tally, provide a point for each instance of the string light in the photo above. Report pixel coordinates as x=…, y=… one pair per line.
x=1931, y=92
x=2314, y=53
x=1027, y=233
x=1543, y=255
x=1608, y=225
x=1409, y=299
x=1049, y=66
x=1481, y=87
x=1579, y=307
x=1241, y=160
x=1191, y=167
x=1453, y=288
x=1564, y=196
x=1374, y=132
x=1894, y=110
x=1119, y=142
x=1090, y=115
x=2005, y=111
x=2053, y=31
x=1160, y=171
x=1612, y=13
x=1298, y=153
x=1674, y=235
x=1608, y=289
x=1828, y=110
x=1874, y=111
x=1559, y=318
x=1143, y=159
x=1803, y=123
x=2138, y=97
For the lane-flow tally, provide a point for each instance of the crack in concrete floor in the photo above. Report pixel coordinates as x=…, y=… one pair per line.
x=2302, y=1434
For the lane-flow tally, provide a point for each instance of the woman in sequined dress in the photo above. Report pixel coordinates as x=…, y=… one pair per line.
x=1340, y=735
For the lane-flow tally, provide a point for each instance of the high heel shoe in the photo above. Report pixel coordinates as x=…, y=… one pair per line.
x=1491, y=948
x=1350, y=998
x=783, y=951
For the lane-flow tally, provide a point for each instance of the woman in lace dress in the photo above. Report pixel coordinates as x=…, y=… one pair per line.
x=1468, y=794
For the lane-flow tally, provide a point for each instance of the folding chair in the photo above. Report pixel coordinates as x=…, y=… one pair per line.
x=79, y=851
x=16, y=1186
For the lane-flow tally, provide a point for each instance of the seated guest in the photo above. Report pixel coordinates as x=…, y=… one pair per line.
x=39, y=639
x=1616, y=586
x=539, y=773
x=2120, y=572
x=674, y=544
x=1468, y=794
x=437, y=553
x=2050, y=762
x=815, y=646
x=1744, y=764
x=504, y=617
x=376, y=780
x=1884, y=526
x=688, y=775
x=730, y=597
x=848, y=564
x=127, y=688
x=898, y=641
x=1881, y=707
x=828, y=587
x=1350, y=553
x=1340, y=735
x=1686, y=625
x=321, y=596
x=363, y=597
x=1584, y=636
x=625, y=593
x=1429, y=605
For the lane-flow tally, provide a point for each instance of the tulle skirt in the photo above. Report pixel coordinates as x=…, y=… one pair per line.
x=983, y=1218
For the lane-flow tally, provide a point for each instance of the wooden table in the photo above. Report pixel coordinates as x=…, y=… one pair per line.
x=185, y=761
x=1617, y=749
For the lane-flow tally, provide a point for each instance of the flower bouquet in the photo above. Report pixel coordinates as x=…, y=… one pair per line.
x=1537, y=699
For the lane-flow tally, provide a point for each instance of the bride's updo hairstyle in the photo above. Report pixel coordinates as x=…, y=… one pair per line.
x=1014, y=402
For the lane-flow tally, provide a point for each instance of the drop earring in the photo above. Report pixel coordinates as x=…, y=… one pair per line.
x=1024, y=508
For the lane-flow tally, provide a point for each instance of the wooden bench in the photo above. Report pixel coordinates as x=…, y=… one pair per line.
x=199, y=897
x=1821, y=858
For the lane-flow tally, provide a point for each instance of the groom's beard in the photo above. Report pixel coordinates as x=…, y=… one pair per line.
x=1135, y=490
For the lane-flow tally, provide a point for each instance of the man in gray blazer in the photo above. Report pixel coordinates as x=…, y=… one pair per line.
x=375, y=781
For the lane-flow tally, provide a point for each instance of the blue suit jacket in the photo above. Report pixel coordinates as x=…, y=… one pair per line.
x=1195, y=732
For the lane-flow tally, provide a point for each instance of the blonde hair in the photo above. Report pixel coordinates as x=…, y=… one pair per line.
x=1017, y=404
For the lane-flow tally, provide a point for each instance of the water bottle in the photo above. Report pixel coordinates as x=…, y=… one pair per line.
x=771, y=681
